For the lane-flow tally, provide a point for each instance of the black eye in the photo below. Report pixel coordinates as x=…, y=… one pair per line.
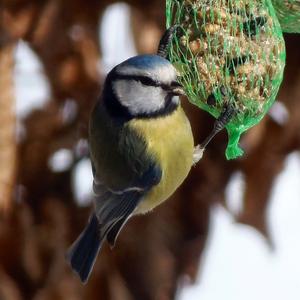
x=175, y=84
x=147, y=81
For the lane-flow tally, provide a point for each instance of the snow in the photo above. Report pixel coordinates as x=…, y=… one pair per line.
x=116, y=39
x=82, y=180
x=237, y=261
x=61, y=160
x=31, y=86
x=234, y=193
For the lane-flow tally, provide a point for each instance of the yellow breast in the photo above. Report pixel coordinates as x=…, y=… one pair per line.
x=170, y=141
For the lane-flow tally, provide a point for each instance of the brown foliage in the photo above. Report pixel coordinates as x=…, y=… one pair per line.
x=155, y=251
x=7, y=138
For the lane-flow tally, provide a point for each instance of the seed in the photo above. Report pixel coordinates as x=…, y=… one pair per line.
x=197, y=46
x=211, y=28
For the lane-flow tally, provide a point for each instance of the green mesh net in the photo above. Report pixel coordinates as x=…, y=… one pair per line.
x=228, y=53
x=288, y=13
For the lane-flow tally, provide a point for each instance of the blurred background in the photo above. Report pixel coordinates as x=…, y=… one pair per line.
x=229, y=232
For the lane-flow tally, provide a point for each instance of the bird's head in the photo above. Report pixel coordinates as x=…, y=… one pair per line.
x=142, y=86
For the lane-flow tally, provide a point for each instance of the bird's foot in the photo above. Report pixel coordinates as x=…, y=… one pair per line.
x=166, y=41
x=198, y=153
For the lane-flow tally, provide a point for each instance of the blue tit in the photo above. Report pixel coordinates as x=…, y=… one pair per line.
x=141, y=149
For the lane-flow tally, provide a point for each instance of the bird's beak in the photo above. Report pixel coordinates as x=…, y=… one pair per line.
x=177, y=89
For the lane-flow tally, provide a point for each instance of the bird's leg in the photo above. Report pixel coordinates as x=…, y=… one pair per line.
x=228, y=112
x=165, y=41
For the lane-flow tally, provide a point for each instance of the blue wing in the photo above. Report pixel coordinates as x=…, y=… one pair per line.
x=114, y=207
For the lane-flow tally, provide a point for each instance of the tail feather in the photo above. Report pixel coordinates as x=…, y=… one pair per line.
x=114, y=231
x=110, y=219
x=83, y=253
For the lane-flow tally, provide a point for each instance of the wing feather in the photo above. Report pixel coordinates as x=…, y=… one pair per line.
x=114, y=208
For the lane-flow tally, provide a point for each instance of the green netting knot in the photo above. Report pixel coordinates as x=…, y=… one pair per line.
x=233, y=150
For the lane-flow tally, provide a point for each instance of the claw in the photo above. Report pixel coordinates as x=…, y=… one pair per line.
x=198, y=153
x=165, y=41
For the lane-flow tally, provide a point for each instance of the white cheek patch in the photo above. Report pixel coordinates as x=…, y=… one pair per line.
x=137, y=98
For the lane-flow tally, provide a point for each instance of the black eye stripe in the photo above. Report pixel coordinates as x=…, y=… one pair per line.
x=148, y=81
x=143, y=79
x=175, y=84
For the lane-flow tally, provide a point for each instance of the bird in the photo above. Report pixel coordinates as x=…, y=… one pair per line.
x=141, y=148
